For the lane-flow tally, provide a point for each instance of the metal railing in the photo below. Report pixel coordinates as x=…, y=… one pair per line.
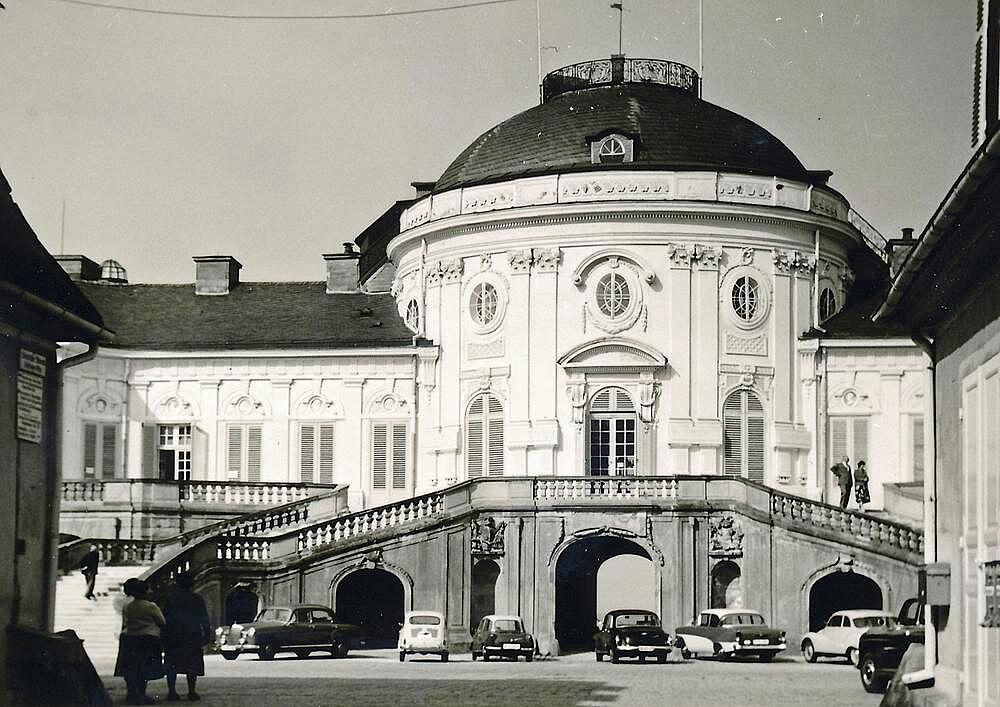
x=603, y=72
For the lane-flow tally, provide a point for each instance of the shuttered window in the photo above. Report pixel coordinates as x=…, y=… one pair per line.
x=316, y=453
x=243, y=452
x=389, y=455
x=848, y=438
x=917, y=435
x=484, y=445
x=743, y=436
x=100, y=448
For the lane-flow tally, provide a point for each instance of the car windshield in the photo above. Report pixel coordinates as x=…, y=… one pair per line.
x=507, y=625
x=870, y=621
x=274, y=615
x=643, y=619
x=743, y=620
x=425, y=620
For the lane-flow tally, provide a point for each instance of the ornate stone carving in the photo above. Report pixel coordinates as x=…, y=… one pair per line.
x=706, y=257
x=782, y=261
x=748, y=189
x=432, y=274
x=746, y=345
x=451, y=270
x=317, y=406
x=746, y=256
x=486, y=349
x=174, y=407
x=488, y=537
x=99, y=404
x=519, y=260
x=546, y=259
x=615, y=186
x=679, y=255
x=577, y=394
x=803, y=265
x=246, y=406
x=726, y=537
x=485, y=261
x=847, y=277
x=649, y=391
x=396, y=287
x=389, y=404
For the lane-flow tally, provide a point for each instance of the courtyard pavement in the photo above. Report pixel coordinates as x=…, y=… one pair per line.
x=376, y=678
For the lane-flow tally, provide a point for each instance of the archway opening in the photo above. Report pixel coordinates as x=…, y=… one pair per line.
x=727, y=586
x=242, y=604
x=484, y=589
x=579, y=592
x=372, y=599
x=838, y=591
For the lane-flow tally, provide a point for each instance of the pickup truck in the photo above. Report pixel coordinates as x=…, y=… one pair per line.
x=882, y=649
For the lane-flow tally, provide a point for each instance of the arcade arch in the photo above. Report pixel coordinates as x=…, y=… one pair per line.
x=838, y=591
x=373, y=599
x=241, y=605
x=727, y=586
x=485, y=574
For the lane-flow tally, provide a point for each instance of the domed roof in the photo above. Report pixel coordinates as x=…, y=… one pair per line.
x=672, y=129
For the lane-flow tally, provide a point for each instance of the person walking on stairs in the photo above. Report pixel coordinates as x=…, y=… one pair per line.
x=186, y=632
x=88, y=567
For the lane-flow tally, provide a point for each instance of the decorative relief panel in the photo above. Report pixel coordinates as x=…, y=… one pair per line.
x=535, y=191
x=446, y=204
x=487, y=538
x=99, y=404
x=616, y=186
x=679, y=255
x=826, y=204
x=745, y=190
x=732, y=376
x=546, y=259
x=683, y=255
x=174, y=407
x=487, y=198
x=792, y=262
x=432, y=274
x=851, y=399
x=416, y=214
x=486, y=349
x=244, y=406
x=388, y=405
x=726, y=537
x=746, y=345
x=519, y=260
x=451, y=270
x=316, y=405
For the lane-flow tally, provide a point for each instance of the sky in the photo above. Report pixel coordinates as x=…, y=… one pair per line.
x=275, y=141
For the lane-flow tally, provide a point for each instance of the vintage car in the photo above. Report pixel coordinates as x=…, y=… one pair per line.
x=840, y=636
x=423, y=632
x=726, y=633
x=881, y=649
x=298, y=629
x=632, y=633
x=499, y=636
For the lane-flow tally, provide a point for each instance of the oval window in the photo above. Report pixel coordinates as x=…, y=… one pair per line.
x=746, y=298
x=483, y=304
x=613, y=295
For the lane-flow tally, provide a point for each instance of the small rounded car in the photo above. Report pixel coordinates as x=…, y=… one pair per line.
x=299, y=629
x=631, y=633
x=727, y=633
x=499, y=636
x=423, y=632
x=839, y=638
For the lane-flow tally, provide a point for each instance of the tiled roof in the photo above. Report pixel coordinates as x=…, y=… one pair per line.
x=676, y=130
x=855, y=321
x=254, y=315
x=24, y=262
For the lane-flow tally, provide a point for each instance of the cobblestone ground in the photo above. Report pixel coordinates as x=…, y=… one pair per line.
x=377, y=678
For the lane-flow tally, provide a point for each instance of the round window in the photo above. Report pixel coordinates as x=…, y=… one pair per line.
x=413, y=315
x=483, y=304
x=827, y=304
x=613, y=295
x=746, y=298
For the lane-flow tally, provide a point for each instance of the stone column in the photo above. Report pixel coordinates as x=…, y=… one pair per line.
x=281, y=451
x=450, y=403
x=705, y=354
x=354, y=473
x=679, y=403
x=518, y=347
x=544, y=382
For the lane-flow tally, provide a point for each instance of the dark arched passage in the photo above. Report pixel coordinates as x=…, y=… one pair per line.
x=727, y=585
x=576, y=588
x=484, y=589
x=372, y=599
x=241, y=604
x=838, y=591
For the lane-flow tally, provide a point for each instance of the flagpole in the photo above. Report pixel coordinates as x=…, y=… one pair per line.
x=538, y=42
x=701, y=45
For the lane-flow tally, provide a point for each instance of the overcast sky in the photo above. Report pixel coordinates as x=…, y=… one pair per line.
x=277, y=140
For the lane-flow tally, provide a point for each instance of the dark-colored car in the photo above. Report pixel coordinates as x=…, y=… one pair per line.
x=298, y=629
x=726, y=633
x=502, y=637
x=882, y=650
x=631, y=633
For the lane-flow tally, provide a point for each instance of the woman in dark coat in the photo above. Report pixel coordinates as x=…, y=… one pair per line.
x=139, y=647
x=861, y=492
x=187, y=630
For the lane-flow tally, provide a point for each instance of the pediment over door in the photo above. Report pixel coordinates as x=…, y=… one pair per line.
x=613, y=355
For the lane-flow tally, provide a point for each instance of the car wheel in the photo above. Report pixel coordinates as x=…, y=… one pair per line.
x=765, y=657
x=530, y=657
x=853, y=656
x=402, y=656
x=474, y=656
x=614, y=656
x=266, y=651
x=599, y=656
x=685, y=654
x=642, y=659
x=486, y=657
x=717, y=651
x=808, y=651
x=444, y=657
x=661, y=659
x=870, y=679
x=230, y=655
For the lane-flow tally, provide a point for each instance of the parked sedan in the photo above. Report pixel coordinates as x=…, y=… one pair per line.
x=632, y=633
x=423, y=632
x=726, y=633
x=840, y=636
x=298, y=629
x=502, y=637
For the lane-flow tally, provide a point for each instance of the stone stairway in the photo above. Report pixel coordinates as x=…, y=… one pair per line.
x=96, y=622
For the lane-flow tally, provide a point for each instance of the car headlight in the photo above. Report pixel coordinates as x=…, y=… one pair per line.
x=219, y=631
x=250, y=632
x=618, y=640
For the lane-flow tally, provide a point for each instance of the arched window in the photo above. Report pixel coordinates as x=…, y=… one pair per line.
x=413, y=315
x=743, y=436
x=612, y=433
x=484, y=447
x=827, y=304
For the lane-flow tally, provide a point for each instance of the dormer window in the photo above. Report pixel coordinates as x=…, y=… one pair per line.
x=612, y=149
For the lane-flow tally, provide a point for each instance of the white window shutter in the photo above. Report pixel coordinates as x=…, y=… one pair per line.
x=860, y=441
x=917, y=431
x=399, y=456
x=234, y=452
x=150, y=460
x=307, y=453
x=89, y=449
x=253, y=452
x=326, y=454
x=109, y=444
x=755, y=438
x=838, y=439
x=494, y=442
x=380, y=450
x=732, y=434
x=474, y=445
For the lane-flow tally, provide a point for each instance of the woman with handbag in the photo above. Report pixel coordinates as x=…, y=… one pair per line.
x=140, y=652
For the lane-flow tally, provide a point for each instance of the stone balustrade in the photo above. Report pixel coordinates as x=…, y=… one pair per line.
x=243, y=549
x=244, y=494
x=112, y=552
x=369, y=521
x=603, y=488
x=83, y=491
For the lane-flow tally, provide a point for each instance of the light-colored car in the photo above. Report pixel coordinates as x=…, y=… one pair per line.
x=423, y=632
x=727, y=633
x=840, y=636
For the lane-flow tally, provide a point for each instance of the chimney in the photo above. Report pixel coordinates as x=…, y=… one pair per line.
x=216, y=274
x=898, y=249
x=79, y=267
x=342, y=270
x=422, y=189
